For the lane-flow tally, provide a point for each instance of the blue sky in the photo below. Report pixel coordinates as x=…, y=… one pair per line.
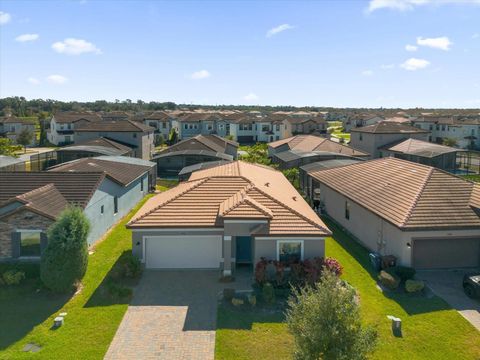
x=318, y=53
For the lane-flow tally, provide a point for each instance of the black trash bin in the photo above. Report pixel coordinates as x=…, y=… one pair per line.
x=376, y=260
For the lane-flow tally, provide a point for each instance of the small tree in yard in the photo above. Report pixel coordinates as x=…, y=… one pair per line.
x=325, y=322
x=25, y=138
x=64, y=261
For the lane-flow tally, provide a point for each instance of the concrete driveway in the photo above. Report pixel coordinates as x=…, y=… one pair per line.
x=172, y=316
x=448, y=285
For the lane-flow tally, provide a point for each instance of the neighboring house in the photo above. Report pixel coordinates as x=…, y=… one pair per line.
x=10, y=163
x=133, y=134
x=465, y=132
x=191, y=124
x=114, y=116
x=308, y=184
x=92, y=148
x=62, y=126
x=187, y=171
x=227, y=215
x=11, y=127
x=160, y=121
x=309, y=125
x=252, y=129
x=371, y=138
x=425, y=217
x=199, y=149
x=423, y=152
x=361, y=120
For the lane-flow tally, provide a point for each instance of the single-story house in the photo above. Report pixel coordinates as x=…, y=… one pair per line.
x=372, y=138
x=199, y=149
x=31, y=201
x=423, y=152
x=10, y=163
x=308, y=183
x=227, y=215
x=92, y=148
x=425, y=217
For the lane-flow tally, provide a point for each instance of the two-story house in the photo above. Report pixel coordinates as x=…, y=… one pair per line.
x=62, y=126
x=11, y=127
x=160, y=121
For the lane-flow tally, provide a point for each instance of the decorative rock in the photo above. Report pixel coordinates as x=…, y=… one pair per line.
x=58, y=321
x=237, y=302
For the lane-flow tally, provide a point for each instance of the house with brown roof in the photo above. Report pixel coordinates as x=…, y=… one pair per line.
x=136, y=135
x=360, y=120
x=160, y=121
x=11, y=127
x=425, y=217
x=62, y=125
x=227, y=215
x=199, y=149
x=371, y=138
x=30, y=202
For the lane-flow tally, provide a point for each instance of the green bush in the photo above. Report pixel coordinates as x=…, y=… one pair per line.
x=390, y=281
x=268, y=293
x=64, y=261
x=31, y=269
x=118, y=291
x=132, y=266
x=403, y=272
x=413, y=286
x=13, y=277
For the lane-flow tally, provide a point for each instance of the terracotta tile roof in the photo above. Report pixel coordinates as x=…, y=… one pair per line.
x=308, y=143
x=200, y=142
x=235, y=190
x=408, y=195
x=475, y=198
x=76, y=188
x=102, y=141
x=389, y=127
x=46, y=200
x=113, y=126
x=157, y=115
x=72, y=116
x=419, y=148
x=121, y=173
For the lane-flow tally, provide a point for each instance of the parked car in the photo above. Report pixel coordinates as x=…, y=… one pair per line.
x=471, y=285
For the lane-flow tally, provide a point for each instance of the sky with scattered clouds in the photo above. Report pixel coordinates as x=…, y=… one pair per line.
x=358, y=53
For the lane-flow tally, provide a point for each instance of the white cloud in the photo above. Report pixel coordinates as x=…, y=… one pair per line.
x=27, y=37
x=409, y=47
x=475, y=36
x=5, y=18
x=413, y=64
x=73, y=46
x=33, y=81
x=442, y=43
x=198, y=75
x=387, y=66
x=406, y=5
x=57, y=79
x=279, y=29
x=367, y=73
x=251, y=97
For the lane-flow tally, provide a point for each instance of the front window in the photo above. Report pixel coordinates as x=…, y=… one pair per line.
x=30, y=243
x=347, y=210
x=115, y=205
x=289, y=252
x=360, y=137
x=277, y=127
x=265, y=128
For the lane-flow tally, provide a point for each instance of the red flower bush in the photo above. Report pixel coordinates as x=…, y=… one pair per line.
x=333, y=265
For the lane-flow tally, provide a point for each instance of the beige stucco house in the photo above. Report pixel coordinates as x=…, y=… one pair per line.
x=424, y=216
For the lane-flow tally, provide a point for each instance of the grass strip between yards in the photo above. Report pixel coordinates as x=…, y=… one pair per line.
x=431, y=329
x=88, y=328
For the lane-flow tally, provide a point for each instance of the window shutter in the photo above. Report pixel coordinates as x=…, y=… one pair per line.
x=43, y=242
x=16, y=239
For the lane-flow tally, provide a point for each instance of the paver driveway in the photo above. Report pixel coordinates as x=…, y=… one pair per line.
x=448, y=285
x=172, y=316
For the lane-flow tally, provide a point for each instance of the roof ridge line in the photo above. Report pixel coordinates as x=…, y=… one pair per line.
x=199, y=182
x=417, y=197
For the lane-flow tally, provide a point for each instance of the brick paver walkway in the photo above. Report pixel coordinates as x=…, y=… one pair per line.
x=172, y=316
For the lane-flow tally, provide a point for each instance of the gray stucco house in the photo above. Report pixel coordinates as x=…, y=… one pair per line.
x=426, y=217
x=31, y=201
x=231, y=214
x=11, y=127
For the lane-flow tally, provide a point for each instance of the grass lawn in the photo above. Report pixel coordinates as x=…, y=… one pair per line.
x=163, y=184
x=431, y=329
x=475, y=178
x=27, y=315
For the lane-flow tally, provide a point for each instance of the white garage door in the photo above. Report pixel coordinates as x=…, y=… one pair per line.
x=183, y=252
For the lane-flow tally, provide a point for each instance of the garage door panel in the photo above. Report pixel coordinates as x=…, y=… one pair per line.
x=183, y=252
x=446, y=253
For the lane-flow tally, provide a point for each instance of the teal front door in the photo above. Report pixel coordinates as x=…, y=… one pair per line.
x=244, y=249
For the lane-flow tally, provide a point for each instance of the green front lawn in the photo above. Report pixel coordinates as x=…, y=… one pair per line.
x=475, y=178
x=26, y=314
x=431, y=329
x=164, y=184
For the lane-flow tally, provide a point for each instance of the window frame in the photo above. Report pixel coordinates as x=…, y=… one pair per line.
x=115, y=205
x=302, y=247
x=35, y=231
x=347, y=210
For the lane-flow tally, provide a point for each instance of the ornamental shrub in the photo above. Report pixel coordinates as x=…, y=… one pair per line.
x=333, y=265
x=64, y=261
x=268, y=293
x=412, y=286
x=13, y=277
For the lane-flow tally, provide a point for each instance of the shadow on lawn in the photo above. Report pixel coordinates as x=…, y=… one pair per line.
x=115, y=288
x=412, y=304
x=22, y=308
x=229, y=317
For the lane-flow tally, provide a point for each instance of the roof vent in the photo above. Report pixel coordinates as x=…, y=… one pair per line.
x=267, y=184
x=294, y=198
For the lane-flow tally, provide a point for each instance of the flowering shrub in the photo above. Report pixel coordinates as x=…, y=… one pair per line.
x=333, y=265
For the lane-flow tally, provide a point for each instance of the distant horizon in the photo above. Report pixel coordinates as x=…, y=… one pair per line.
x=355, y=54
